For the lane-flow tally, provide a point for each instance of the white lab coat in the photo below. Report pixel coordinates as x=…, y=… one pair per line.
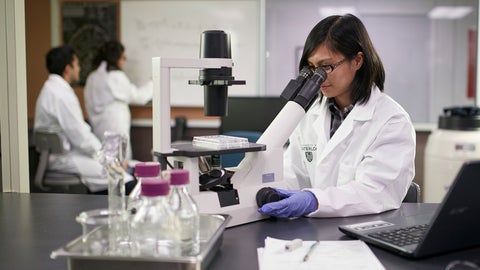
x=58, y=110
x=107, y=98
x=365, y=168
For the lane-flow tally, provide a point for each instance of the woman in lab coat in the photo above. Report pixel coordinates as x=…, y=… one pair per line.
x=108, y=93
x=353, y=153
x=57, y=110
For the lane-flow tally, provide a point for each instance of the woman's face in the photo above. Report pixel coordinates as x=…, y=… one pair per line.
x=338, y=82
x=121, y=61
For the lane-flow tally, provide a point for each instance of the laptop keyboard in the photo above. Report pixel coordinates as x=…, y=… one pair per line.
x=403, y=236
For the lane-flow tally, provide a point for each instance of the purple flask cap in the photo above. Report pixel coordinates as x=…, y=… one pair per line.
x=147, y=169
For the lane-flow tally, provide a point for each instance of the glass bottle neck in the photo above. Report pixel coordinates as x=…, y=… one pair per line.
x=179, y=187
x=154, y=198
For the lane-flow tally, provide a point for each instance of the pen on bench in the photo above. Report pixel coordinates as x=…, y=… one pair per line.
x=312, y=247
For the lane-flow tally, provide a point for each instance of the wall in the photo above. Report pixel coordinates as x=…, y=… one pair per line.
x=425, y=60
x=172, y=29
x=448, y=77
x=13, y=96
x=38, y=42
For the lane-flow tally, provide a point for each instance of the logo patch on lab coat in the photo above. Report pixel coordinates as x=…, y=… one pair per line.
x=309, y=149
x=309, y=156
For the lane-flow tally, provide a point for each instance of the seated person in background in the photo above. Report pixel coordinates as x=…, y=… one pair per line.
x=108, y=93
x=353, y=153
x=58, y=110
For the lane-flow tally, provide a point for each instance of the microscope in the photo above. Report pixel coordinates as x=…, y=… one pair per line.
x=217, y=190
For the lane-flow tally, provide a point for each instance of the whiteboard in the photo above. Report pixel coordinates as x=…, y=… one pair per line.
x=172, y=29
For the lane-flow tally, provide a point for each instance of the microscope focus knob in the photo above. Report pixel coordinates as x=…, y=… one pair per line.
x=267, y=195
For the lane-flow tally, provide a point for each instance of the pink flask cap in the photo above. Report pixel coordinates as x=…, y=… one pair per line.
x=155, y=187
x=179, y=177
x=147, y=169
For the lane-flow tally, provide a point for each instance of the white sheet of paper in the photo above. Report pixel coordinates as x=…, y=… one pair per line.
x=354, y=254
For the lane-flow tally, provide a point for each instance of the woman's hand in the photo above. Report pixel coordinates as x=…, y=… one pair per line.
x=294, y=203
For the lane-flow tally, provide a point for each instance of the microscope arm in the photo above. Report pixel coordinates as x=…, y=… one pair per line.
x=287, y=119
x=282, y=126
x=276, y=134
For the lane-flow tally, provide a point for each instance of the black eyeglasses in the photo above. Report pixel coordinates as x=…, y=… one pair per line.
x=329, y=68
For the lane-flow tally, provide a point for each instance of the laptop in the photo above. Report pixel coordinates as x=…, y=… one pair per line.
x=453, y=225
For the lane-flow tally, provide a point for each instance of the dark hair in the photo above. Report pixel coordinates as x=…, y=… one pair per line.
x=347, y=35
x=110, y=52
x=58, y=58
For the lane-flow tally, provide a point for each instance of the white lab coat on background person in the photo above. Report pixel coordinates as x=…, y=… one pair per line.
x=58, y=110
x=107, y=98
x=366, y=167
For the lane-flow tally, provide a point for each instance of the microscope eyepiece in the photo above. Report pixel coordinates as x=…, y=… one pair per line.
x=294, y=86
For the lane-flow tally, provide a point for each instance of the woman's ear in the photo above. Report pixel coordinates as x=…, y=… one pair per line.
x=358, y=60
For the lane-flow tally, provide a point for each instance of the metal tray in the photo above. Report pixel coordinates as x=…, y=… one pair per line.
x=211, y=235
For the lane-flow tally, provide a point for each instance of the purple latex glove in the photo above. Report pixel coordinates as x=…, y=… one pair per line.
x=294, y=203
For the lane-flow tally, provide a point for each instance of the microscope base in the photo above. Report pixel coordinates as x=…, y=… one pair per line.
x=245, y=211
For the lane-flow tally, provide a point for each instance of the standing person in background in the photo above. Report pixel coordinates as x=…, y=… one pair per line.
x=58, y=110
x=354, y=151
x=108, y=93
